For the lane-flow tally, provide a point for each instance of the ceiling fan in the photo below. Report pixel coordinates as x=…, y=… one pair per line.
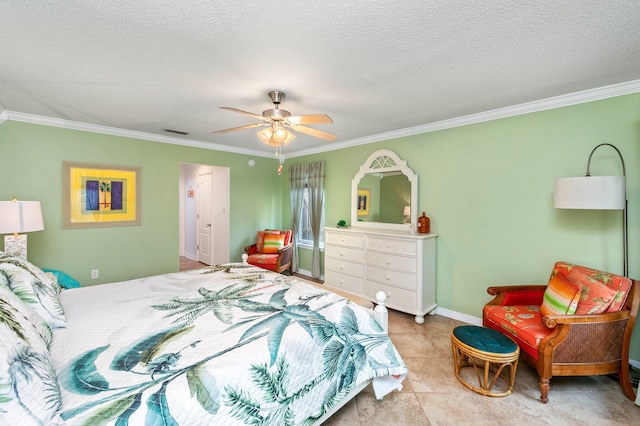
x=279, y=122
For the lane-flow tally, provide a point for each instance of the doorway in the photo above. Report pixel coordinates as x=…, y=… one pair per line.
x=204, y=213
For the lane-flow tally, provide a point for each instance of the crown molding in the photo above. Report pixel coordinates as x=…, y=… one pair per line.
x=496, y=114
x=114, y=131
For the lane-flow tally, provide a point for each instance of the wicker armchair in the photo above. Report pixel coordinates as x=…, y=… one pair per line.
x=273, y=250
x=568, y=345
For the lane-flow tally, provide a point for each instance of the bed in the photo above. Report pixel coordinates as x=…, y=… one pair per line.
x=227, y=344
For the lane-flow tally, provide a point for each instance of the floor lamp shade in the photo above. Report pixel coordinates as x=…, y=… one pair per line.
x=590, y=192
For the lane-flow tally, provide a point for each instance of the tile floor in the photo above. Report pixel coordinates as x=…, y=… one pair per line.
x=433, y=396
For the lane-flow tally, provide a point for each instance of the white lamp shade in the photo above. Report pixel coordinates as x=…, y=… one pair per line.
x=590, y=192
x=20, y=216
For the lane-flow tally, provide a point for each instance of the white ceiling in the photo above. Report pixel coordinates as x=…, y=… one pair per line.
x=374, y=66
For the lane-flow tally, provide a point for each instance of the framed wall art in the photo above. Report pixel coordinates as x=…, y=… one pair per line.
x=99, y=195
x=364, y=198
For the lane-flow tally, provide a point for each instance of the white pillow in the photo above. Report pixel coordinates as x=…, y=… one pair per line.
x=29, y=391
x=33, y=287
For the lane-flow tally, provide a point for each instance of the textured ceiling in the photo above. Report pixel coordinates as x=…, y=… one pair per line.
x=373, y=66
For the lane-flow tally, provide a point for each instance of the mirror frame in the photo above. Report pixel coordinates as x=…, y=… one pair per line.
x=382, y=161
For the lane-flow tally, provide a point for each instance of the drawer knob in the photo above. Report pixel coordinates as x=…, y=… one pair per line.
x=388, y=261
x=341, y=253
x=341, y=267
x=341, y=282
x=387, y=277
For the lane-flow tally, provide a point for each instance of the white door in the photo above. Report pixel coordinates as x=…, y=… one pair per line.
x=205, y=245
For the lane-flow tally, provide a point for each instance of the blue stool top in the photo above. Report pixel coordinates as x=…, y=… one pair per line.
x=485, y=339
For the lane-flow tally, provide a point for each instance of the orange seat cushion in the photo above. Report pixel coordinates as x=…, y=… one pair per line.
x=262, y=259
x=522, y=322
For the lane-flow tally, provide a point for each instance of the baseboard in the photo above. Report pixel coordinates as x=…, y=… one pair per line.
x=308, y=274
x=469, y=319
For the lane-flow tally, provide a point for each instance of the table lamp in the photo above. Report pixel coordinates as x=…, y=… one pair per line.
x=16, y=217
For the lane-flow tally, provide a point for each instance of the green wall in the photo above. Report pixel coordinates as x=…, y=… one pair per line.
x=32, y=170
x=487, y=188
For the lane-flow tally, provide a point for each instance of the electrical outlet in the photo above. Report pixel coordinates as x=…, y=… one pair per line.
x=95, y=273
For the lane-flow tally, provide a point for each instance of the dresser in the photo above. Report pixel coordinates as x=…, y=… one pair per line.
x=402, y=265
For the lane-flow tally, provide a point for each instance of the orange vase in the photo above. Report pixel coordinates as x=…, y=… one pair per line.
x=424, y=224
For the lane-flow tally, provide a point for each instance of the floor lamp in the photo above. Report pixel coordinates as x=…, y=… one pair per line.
x=16, y=217
x=595, y=193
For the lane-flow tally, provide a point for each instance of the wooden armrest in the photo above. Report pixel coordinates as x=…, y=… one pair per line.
x=517, y=295
x=515, y=288
x=252, y=249
x=552, y=321
x=285, y=248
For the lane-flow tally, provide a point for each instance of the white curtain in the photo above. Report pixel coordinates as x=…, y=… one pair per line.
x=310, y=176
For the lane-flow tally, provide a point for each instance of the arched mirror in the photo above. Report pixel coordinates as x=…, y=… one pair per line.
x=384, y=193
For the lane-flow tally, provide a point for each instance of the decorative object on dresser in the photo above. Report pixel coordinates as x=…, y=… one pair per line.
x=424, y=224
x=366, y=261
x=16, y=217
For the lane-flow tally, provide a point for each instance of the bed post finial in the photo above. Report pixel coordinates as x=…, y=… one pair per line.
x=380, y=312
x=245, y=256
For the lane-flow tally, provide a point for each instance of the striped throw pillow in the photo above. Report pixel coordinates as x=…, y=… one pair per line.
x=561, y=297
x=273, y=243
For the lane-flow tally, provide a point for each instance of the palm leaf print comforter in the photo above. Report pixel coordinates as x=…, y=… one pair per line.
x=229, y=344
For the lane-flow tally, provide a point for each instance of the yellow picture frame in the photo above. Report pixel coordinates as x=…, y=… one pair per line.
x=364, y=199
x=100, y=195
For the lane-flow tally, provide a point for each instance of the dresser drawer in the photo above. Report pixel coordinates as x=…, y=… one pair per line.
x=394, y=278
x=351, y=240
x=344, y=253
x=343, y=267
x=397, y=298
x=393, y=245
x=344, y=282
x=390, y=261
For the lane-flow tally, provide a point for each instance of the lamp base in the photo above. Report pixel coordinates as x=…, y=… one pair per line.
x=16, y=245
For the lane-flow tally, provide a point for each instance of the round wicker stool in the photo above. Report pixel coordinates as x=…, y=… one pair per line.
x=486, y=350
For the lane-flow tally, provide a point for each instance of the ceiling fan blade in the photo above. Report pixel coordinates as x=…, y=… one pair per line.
x=233, y=129
x=310, y=119
x=258, y=116
x=315, y=133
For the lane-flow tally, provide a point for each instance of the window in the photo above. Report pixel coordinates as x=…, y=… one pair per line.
x=304, y=236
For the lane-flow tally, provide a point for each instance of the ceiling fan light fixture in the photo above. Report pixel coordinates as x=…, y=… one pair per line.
x=265, y=135
x=282, y=135
x=276, y=135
